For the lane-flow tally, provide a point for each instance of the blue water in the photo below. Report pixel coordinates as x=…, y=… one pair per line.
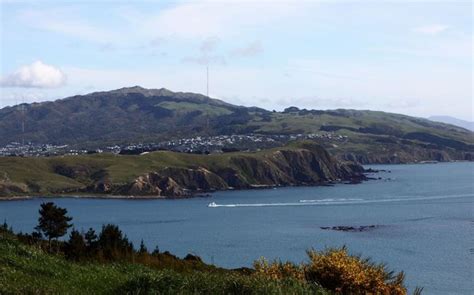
x=425, y=213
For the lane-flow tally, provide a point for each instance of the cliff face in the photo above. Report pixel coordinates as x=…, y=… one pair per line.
x=153, y=184
x=177, y=175
x=303, y=166
x=409, y=155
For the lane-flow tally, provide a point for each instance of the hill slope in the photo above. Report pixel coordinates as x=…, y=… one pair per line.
x=136, y=114
x=170, y=174
x=28, y=270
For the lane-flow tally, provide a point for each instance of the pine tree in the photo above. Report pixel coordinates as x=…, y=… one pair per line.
x=53, y=221
x=143, y=248
x=76, y=247
x=91, y=238
x=113, y=244
x=156, y=251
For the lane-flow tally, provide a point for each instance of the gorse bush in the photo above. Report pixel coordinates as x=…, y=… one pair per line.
x=278, y=270
x=338, y=271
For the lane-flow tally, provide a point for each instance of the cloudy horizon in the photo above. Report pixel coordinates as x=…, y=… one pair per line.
x=409, y=58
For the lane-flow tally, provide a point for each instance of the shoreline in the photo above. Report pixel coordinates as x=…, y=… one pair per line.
x=205, y=194
x=192, y=195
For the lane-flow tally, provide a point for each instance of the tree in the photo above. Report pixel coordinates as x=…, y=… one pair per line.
x=91, y=238
x=156, y=251
x=53, y=221
x=113, y=244
x=4, y=228
x=143, y=248
x=76, y=247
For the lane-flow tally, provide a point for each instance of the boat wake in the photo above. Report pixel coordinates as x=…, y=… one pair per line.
x=330, y=200
x=342, y=201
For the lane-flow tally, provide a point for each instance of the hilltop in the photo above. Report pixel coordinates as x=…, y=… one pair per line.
x=136, y=114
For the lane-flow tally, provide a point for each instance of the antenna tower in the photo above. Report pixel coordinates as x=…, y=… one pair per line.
x=207, y=94
x=207, y=83
x=23, y=116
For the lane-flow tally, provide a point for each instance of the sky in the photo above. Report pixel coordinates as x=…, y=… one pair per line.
x=401, y=56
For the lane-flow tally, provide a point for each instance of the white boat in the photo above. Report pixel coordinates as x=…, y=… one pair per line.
x=212, y=205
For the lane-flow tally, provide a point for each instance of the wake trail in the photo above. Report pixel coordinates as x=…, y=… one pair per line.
x=341, y=201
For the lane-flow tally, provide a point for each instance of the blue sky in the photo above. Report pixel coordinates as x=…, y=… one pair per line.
x=407, y=57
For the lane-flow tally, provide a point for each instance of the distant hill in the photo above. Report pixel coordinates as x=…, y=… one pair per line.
x=469, y=125
x=136, y=114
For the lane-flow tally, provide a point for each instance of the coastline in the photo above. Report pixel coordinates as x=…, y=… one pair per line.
x=204, y=194
x=196, y=194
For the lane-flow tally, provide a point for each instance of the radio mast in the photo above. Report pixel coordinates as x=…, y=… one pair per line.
x=207, y=132
x=23, y=115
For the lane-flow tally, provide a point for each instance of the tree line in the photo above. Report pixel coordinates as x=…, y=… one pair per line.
x=110, y=244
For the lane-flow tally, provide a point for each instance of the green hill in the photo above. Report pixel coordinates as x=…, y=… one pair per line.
x=136, y=114
x=171, y=174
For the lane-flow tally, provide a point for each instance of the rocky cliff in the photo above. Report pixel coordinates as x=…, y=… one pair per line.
x=167, y=174
x=307, y=165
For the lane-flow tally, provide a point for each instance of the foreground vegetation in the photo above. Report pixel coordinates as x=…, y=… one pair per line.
x=30, y=270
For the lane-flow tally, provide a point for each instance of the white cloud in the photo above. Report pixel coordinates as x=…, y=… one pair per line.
x=185, y=20
x=207, y=18
x=433, y=29
x=65, y=21
x=35, y=75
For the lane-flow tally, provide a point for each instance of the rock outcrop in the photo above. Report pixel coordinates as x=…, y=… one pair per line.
x=7, y=188
x=153, y=184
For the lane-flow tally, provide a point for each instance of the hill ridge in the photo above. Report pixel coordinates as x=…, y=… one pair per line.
x=137, y=114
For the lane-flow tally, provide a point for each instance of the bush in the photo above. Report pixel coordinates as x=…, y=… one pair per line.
x=337, y=271
x=278, y=270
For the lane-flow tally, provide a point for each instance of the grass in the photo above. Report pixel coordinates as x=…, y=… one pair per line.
x=186, y=107
x=404, y=124
x=28, y=270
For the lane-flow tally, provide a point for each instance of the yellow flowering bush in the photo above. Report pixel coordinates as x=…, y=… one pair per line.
x=338, y=271
x=278, y=270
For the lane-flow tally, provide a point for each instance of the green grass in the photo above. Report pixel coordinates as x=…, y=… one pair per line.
x=311, y=123
x=186, y=107
x=28, y=270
